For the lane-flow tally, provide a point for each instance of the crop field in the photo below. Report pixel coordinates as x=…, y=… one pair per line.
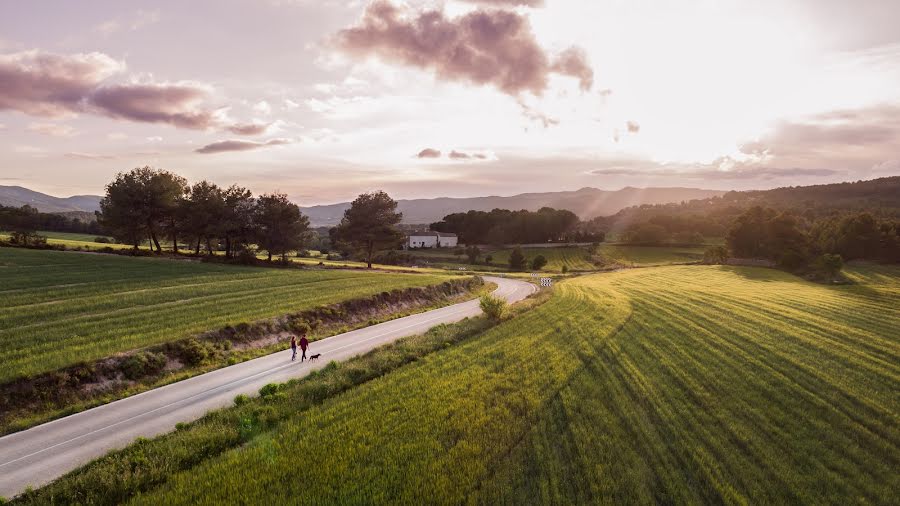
x=679, y=384
x=59, y=308
x=575, y=258
x=651, y=255
x=71, y=240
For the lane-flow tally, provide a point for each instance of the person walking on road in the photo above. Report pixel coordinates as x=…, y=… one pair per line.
x=303, y=345
x=294, y=348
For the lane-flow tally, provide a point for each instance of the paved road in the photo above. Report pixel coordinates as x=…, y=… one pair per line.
x=43, y=453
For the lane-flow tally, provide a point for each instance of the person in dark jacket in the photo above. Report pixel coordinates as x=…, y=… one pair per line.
x=293, y=348
x=303, y=345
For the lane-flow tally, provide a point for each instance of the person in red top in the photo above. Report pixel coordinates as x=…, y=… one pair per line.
x=303, y=345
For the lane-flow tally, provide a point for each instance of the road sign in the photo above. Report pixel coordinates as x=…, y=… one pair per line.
x=546, y=282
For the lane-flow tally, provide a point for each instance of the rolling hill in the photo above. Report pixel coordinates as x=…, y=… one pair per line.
x=17, y=196
x=586, y=203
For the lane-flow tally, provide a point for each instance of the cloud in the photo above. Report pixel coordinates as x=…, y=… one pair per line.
x=263, y=107
x=507, y=3
x=52, y=129
x=52, y=85
x=88, y=156
x=459, y=155
x=429, y=153
x=238, y=145
x=248, y=128
x=139, y=20
x=573, y=62
x=178, y=104
x=483, y=47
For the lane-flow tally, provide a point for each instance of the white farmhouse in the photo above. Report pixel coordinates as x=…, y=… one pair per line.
x=431, y=240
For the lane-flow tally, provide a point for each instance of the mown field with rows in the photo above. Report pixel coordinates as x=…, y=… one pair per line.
x=681, y=384
x=59, y=308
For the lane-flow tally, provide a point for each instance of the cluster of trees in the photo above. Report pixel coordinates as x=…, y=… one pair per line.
x=29, y=216
x=158, y=206
x=713, y=217
x=795, y=243
x=502, y=226
x=661, y=230
x=154, y=205
x=22, y=223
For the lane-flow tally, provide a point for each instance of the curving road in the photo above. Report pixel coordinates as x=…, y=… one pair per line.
x=38, y=455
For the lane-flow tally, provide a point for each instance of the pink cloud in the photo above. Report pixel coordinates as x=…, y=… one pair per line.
x=238, y=145
x=248, y=128
x=178, y=104
x=508, y=3
x=484, y=47
x=429, y=153
x=52, y=85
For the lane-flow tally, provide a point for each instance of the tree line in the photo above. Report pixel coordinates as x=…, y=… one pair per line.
x=28, y=218
x=795, y=243
x=154, y=205
x=502, y=226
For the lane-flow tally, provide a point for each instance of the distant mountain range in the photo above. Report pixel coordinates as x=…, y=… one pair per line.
x=16, y=196
x=586, y=203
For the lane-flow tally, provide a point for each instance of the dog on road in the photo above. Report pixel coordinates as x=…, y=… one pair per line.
x=314, y=357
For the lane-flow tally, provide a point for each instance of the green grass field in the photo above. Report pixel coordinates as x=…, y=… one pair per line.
x=575, y=258
x=59, y=308
x=642, y=256
x=72, y=241
x=681, y=384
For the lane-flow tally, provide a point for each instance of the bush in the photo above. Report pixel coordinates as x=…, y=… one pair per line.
x=271, y=389
x=488, y=259
x=102, y=240
x=241, y=399
x=829, y=265
x=492, y=306
x=715, y=255
x=193, y=352
x=142, y=364
x=565, y=269
x=517, y=260
x=245, y=257
x=538, y=262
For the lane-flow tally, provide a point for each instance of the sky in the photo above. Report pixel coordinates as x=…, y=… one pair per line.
x=325, y=99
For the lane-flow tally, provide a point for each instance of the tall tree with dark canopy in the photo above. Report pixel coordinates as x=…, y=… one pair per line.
x=280, y=225
x=139, y=203
x=370, y=225
x=237, y=219
x=203, y=211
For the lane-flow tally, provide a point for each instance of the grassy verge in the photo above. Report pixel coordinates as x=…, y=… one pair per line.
x=122, y=474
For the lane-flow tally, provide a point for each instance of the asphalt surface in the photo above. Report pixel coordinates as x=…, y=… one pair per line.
x=41, y=454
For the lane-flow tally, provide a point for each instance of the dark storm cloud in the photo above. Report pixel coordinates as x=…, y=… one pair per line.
x=484, y=47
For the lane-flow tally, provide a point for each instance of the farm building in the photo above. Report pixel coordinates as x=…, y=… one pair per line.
x=430, y=240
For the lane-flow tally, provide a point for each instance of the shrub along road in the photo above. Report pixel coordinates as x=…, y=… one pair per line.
x=38, y=455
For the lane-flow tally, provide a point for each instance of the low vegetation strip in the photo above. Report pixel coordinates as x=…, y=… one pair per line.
x=674, y=384
x=59, y=308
